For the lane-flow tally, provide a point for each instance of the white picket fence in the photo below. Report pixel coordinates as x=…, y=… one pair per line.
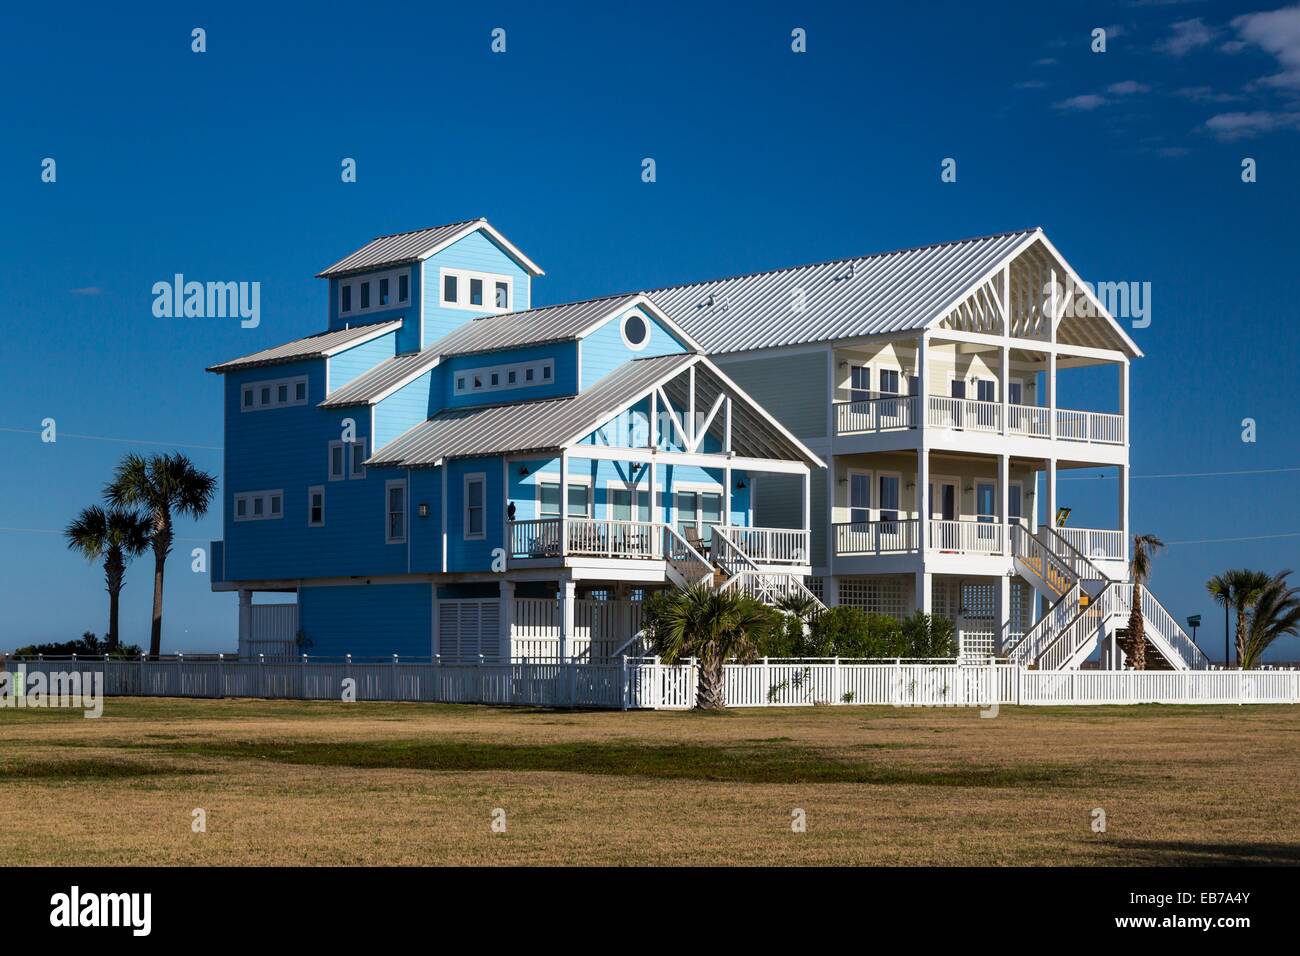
x=648, y=683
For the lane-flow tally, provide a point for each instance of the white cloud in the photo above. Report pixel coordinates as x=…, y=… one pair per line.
x=1087, y=101
x=1276, y=32
x=1207, y=94
x=1187, y=36
x=1128, y=87
x=1234, y=126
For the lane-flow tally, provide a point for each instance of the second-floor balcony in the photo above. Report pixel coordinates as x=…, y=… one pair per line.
x=559, y=538
x=898, y=412
x=903, y=536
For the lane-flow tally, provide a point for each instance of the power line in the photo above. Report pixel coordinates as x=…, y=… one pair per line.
x=1183, y=474
x=1254, y=537
x=55, y=531
x=124, y=441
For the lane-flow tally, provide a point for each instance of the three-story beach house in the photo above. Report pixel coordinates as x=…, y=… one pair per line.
x=447, y=471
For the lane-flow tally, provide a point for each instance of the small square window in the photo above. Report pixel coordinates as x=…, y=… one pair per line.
x=365, y=295
x=510, y=377
x=346, y=292
x=383, y=292
x=496, y=379
x=475, y=291
x=275, y=504
x=403, y=288
x=241, y=507
x=266, y=395
x=300, y=392
x=528, y=375
x=282, y=394
x=448, y=288
x=248, y=398
x=546, y=372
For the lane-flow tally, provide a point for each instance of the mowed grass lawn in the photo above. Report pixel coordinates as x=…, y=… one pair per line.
x=288, y=782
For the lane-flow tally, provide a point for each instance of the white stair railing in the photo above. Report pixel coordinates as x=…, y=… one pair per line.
x=683, y=560
x=1040, y=563
x=1069, y=555
x=1038, y=638
x=1082, y=631
x=770, y=587
x=1170, y=639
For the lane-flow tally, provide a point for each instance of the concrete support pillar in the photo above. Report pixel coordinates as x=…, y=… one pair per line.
x=566, y=596
x=507, y=618
x=924, y=592
x=245, y=619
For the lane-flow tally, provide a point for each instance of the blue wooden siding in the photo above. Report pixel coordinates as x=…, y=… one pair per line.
x=604, y=350
x=408, y=336
x=367, y=620
x=405, y=408
x=565, y=382
x=476, y=252
x=474, y=554
x=348, y=364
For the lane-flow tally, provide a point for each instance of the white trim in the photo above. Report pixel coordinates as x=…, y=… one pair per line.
x=699, y=488
x=646, y=324
x=463, y=278
x=406, y=510
x=542, y=370
x=272, y=386
x=354, y=283
x=354, y=459
x=343, y=461
x=936, y=513
x=511, y=248
x=849, y=506
x=250, y=500
x=550, y=478
x=879, y=499
x=644, y=304
x=470, y=478
x=316, y=490
x=638, y=492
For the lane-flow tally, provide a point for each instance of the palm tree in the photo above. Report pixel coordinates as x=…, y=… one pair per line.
x=1275, y=611
x=115, y=536
x=714, y=626
x=1144, y=548
x=1239, y=589
x=160, y=485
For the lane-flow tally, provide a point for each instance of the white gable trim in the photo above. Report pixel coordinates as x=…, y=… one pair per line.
x=646, y=304
x=529, y=265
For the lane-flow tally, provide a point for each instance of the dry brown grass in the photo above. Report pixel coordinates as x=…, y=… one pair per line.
x=332, y=783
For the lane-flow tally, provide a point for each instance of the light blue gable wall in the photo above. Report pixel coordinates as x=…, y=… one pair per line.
x=475, y=554
x=348, y=364
x=367, y=620
x=604, y=350
x=565, y=382
x=408, y=337
x=475, y=252
x=287, y=449
x=405, y=408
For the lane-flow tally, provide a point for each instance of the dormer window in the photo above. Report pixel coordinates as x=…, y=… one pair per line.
x=482, y=292
x=504, y=377
x=635, y=330
x=374, y=292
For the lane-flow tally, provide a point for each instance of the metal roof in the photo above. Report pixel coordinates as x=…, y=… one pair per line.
x=313, y=346
x=381, y=380
x=554, y=323
x=552, y=424
x=844, y=298
x=403, y=247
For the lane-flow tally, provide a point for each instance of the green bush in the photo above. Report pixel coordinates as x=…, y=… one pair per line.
x=88, y=646
x=850, y=632
x=927, y=635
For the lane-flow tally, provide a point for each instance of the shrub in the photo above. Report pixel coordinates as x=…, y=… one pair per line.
x=88, y=646
x=927, y=635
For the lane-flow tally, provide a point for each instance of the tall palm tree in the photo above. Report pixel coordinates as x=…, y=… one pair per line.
x=160, y=485
x=1239, y=589
x=714, y=626
x=115, y=537
x=1139, y=569
x=1275, y=612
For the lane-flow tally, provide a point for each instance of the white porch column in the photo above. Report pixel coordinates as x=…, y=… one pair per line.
x=1123, y=398
x=1123, y=512
x=1051, y=492
x=1004, y=369
x=923, y=456
x=564, y=502
x=1004, y=500
x=656, y=512
x=507, y=619
x=726, y=495
x=1050, y=381
x=567, y=597
x=807, y=500
x=245, y=619
x=923, y=503
x=924, y=592
x=1003, y=635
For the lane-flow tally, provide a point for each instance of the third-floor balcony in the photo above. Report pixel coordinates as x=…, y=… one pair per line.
x=901, y=412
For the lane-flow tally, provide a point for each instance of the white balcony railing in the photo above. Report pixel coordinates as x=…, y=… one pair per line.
x=875, y=415
x=903, y=536
x=1095, y=543
x=769, y=545
x=595, y=537
x=965, y=414
x=968, y=537
x=1032, y=420
x=1095, y=427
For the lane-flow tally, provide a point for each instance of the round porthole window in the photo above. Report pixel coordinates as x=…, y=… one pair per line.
x=636, y=331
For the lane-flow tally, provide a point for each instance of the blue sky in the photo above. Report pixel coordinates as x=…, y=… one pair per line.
x=225, y=166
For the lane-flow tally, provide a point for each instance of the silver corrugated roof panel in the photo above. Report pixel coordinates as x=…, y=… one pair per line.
x=526, y=426
x=313, y=346
x=380, y=380
x=397, y=248
x=554, y=323
x=845, y=298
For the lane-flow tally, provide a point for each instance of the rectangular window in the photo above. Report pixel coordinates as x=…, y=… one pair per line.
x=259, y=505
x=985, y=506
x=449, y=289
x=345, y=297
x=358, y=452
x=316, y=506
x=859, y=497
x=984, y=390
x=546, y=373
x=475, y=506
x=888, y=486
x=259, y=396
x=497, y=377
x=300, y=391
x=1015, y=393
x=403, y=287
x=475, y=291
x=1014, y=494
x=241, y=507
x=687, y=512
x=503, y=295
x=958, y=388
x=266, y=395
x=365, y=295
x=859, y=383
x=395, y=511
x=548, y=499
x=528, y=375
x=579, y=501
x=282, y=394
x=889, y=381
x=383, y=291
x=275, y=506
x=248, y=398
x=913, y=385
x=510, y=377
x=337, y=464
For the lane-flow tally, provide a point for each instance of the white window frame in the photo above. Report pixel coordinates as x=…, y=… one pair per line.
x=935, y=505
x=1024, y=392
x=463, y=381
x=394, y=288
x=469, y=479
x=312, y=491
x=879, y=499
x=879, y=375
x=489, y=279
x=554, y=479
x=639, y=491
x=274, y=384
x=356, y=455
x=1017, y=483
x=389, y=537
x=343, y=461
x=622, y=330
x=700, y=488
x=871, y=494
x=251, y=497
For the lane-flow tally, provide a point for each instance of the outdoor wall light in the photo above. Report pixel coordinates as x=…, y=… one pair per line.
x=740, y=485
x=424, y=509
x=523, y=471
